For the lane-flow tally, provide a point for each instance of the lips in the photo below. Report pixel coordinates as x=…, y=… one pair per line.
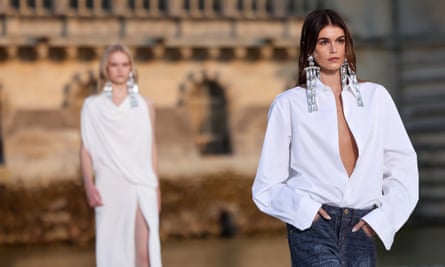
x=333, y=59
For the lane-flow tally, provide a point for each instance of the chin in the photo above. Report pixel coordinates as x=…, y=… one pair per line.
x=331, y=69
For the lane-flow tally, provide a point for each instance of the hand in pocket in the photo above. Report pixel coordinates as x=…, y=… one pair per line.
x=321, y=214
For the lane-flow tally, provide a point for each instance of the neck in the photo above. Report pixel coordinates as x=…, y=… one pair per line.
x=332, y=79
x=119, y=89
x=119, y=92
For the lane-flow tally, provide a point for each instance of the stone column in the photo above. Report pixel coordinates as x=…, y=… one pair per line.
x=82, y=7
x=12, y=52
x=139, y=7
x=229, y=8
x=261, y=8
x=71, y=52
x=42, y=51
x=208, y=8
x=119, y=7
x=61, y=7
x=158, y=51
x=97, y=7
x=214, y=53
x=186, y=53
x=266, y=52
x=39, y=7
x=240, y=52
x=23, y=7
x=175, y=8
x=154, y=7
x=194, y=8
x=247, y=8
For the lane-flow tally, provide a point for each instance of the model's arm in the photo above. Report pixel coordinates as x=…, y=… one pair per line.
x=92, y=194
x=400, y=177
x=154, y=151
x=272, y=192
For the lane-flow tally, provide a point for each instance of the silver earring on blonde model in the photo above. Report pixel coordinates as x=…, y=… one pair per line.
x=108, y=89
x=348, y=77
x=133, y=90
x=312, y=75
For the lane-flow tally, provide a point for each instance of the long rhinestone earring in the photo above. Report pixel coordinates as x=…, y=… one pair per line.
x=344, y=74
x=133, y=90
x=108, y=90
x=354, y=84
x=348, y=77
x=312, y=74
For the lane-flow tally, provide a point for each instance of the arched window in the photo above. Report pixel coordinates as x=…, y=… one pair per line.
x=206, y=106
x=80, y=87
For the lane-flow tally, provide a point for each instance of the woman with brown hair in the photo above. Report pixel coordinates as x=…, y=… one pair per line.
x=337, y=165
x=118, y=160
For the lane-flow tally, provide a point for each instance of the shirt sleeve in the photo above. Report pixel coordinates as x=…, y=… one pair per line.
x=271, y=192
x=400, y=177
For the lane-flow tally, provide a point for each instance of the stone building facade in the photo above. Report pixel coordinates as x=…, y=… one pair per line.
x=212, y=67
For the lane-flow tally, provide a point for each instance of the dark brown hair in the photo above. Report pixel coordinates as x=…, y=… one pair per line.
x=313, y=24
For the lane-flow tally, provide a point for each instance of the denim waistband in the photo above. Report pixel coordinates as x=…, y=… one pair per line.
x=332, y=210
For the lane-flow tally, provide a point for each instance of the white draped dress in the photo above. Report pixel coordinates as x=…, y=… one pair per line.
x=119, y=140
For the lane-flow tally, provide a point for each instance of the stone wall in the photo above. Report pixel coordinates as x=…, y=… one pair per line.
x=218, y=205
x=49, y=54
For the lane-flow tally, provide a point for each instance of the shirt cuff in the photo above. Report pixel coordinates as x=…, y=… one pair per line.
x=308, y=208
x=382, y=226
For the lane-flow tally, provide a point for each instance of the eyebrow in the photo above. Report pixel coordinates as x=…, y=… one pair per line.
x=326, y=38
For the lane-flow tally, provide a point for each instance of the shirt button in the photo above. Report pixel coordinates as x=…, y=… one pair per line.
x=346, y=211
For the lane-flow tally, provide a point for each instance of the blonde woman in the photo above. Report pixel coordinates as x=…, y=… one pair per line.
x=118, y=161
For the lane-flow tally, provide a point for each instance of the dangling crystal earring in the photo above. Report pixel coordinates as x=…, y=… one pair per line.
x=354, y=84
x=133, y=90
x=108, y=90
x=344, y=74
x=312, y=74
x=348, y=77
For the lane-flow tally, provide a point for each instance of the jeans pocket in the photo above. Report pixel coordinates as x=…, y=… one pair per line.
x=316, y=218
x=367, y=233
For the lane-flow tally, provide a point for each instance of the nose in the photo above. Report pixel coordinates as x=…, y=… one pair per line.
x=333, y=48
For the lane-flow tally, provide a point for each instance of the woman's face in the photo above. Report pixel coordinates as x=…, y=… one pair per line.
x=118, y=68
x=330, y=49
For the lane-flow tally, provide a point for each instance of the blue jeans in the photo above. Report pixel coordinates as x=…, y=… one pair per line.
x=331, y=243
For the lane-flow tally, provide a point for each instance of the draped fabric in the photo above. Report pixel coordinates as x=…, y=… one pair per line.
x=119, y=140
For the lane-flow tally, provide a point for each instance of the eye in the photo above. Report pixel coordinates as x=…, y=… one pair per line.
x=323, y=42
x=341, y=40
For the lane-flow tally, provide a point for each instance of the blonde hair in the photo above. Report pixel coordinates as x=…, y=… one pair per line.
x=103, y=75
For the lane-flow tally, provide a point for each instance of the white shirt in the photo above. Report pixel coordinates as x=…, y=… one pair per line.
x=300, y=166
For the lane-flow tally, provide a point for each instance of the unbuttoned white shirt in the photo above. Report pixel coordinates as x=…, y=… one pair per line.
x=300, y=167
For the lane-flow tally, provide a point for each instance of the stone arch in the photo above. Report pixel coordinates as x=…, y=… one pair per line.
x=75, y=91
x=204, y=101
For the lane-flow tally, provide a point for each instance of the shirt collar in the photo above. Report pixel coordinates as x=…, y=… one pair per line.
x=324, y=88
